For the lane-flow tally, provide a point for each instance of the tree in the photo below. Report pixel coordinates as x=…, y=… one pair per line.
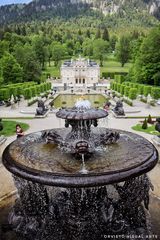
x=105, y=34
x=144, y=125
x=49, y=48
x=69, y=45
x=156, y=78
x=12, y=71
x=112, y=41
x=4, y=47
x=98, y=34
x=26, y=57
x=88, y=34
x=149, y=120
x=147, y=63
x=58, y=52
x=87, y=47
x=123, y=50
x=40, y=49
x=1, y=74
x=100, y=48
x=135, y=48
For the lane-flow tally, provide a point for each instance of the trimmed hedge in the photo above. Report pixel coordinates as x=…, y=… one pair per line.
x=112, y=74
x=133, y=93
x=147, y=90
x=122, y=87
x=126, y=91
x=4, y=94
x=28, y=89
x=155, y=92
x=27, y=93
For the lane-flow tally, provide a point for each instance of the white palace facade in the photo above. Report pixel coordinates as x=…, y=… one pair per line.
x=80, y=71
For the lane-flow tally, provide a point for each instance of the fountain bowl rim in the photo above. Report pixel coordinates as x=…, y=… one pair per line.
x=78, y=180
x=66, y=114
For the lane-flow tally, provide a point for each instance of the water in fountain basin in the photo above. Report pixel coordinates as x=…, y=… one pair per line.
x=83, y=169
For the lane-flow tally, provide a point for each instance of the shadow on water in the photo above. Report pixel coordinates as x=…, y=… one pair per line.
x=6, y=232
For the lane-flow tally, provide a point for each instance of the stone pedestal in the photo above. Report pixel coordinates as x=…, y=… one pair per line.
x=52, y=213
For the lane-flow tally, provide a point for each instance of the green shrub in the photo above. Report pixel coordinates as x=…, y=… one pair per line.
x=153, y=103
x=49, y=85
x=108, y=75
x=38, y=89
x=143, y=100
x=127, y=83
x=45, y=87
x=33, y=90
x=155, y=92
x=122, y=87
x=112, y=85
x=4, y=94
x=140, y=89
x=118, y=87
x=147, y=90
x=42, y=87
x=149, y=120
x=27, y=93
x=126, y=91
x=133, y=93
x=19, y=90
x=115, y=86
x=119, y=78
x=144, y=125
x=13, y=91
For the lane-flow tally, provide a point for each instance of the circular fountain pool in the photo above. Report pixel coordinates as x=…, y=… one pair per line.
x=80, y=182
x=33, y=159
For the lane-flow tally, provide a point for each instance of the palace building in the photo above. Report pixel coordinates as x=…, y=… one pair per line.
x=80, y=71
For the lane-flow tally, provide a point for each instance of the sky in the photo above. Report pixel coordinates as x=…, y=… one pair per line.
x=4, y=2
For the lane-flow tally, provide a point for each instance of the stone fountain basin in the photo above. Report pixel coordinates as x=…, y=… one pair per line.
x=31, y=158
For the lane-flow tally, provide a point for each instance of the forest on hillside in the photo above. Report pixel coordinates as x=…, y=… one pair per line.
x=26, y=49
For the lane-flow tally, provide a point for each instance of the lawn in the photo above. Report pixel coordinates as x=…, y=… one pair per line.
x=114, y=66
x=9, y=127
x=149, y=130
x=52, y=71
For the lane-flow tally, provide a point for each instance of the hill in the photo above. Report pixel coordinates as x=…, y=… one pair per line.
x=145, y=12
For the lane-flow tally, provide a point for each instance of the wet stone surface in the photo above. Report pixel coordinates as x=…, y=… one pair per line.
x=130, y=151
x=71, y=216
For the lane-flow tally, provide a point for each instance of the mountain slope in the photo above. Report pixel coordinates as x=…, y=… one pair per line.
x=115, y=6
x=48, y=9
x=40, y=9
